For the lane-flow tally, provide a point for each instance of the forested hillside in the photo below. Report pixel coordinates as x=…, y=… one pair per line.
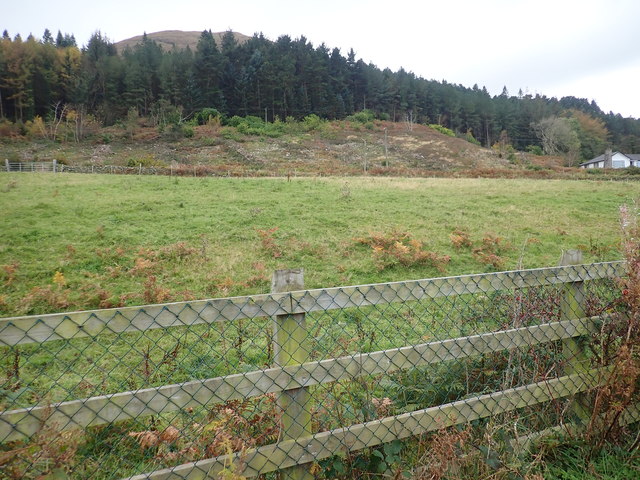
x=51, y=79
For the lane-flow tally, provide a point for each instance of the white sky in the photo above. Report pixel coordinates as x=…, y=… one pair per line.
x=585, y=48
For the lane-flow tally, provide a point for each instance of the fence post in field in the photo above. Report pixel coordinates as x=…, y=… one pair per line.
x=6, y=162
x=54, y=165
x=290, y=347
x=573, y=349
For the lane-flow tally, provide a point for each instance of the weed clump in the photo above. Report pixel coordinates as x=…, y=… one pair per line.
x=460, y=239
x=399, y=248
x=9, y=272
x=230, y=427
x=268, y=241
x=49, y=454
x=489, y=251
x=618, y=345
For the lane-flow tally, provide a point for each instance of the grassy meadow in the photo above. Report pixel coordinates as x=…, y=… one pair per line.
x=72, y=242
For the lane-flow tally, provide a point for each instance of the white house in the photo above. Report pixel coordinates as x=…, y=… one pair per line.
x=613, y=160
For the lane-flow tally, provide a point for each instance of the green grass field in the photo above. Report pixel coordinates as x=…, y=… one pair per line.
x=72, y=242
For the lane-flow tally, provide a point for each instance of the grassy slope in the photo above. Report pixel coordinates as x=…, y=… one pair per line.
x=333, y=148
x=118, y=239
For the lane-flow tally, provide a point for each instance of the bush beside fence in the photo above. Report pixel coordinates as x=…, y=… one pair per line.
x=297, y=379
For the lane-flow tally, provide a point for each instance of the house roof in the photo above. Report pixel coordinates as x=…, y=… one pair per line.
x=600, y=158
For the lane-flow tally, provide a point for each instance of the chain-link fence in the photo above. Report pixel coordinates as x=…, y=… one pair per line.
x=300, y=379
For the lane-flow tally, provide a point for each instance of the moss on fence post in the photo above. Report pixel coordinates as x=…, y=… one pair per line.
x=290, y=347
x=574, y=349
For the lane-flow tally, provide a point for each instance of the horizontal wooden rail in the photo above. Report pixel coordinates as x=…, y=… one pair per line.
x=16, y=424
x=629, y=416
x=59, y=326
x=357, y=437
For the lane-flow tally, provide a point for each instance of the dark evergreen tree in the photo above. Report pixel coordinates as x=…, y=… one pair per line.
x=46, y=37
x=208, y=69
x=232, y=71
x=102, y=80
x=142, y=75
x=45, y=79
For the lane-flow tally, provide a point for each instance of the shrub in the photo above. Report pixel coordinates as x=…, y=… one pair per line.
x=234, y=121
x=177, y=131
x=229, y=133
x=364, y=116
x=188, y=131
x=145, y=161
x=535, y=168
x=61, y=158
x=470, y=138
x=312, y=122
x=252, y=125
x=534, y=149
x=37, y=127
x=207, y=115
x=163, y=114
x=443, y=130
x=7, y=129
x=22, y=128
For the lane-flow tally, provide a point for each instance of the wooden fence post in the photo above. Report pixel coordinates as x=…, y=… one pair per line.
x=573, y=349
x=6, y=162
x=290, y=347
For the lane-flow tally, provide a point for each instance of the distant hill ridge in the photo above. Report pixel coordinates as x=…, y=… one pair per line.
x=175, y=39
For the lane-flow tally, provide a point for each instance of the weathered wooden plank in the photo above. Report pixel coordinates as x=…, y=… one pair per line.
x=376, y=294
x=574, y=349
x=58, y=326
x=356, y=437
x=291, y=347
x=16, y=424
x=630, y=415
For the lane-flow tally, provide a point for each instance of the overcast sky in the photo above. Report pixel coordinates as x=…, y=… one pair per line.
x=585, y=48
